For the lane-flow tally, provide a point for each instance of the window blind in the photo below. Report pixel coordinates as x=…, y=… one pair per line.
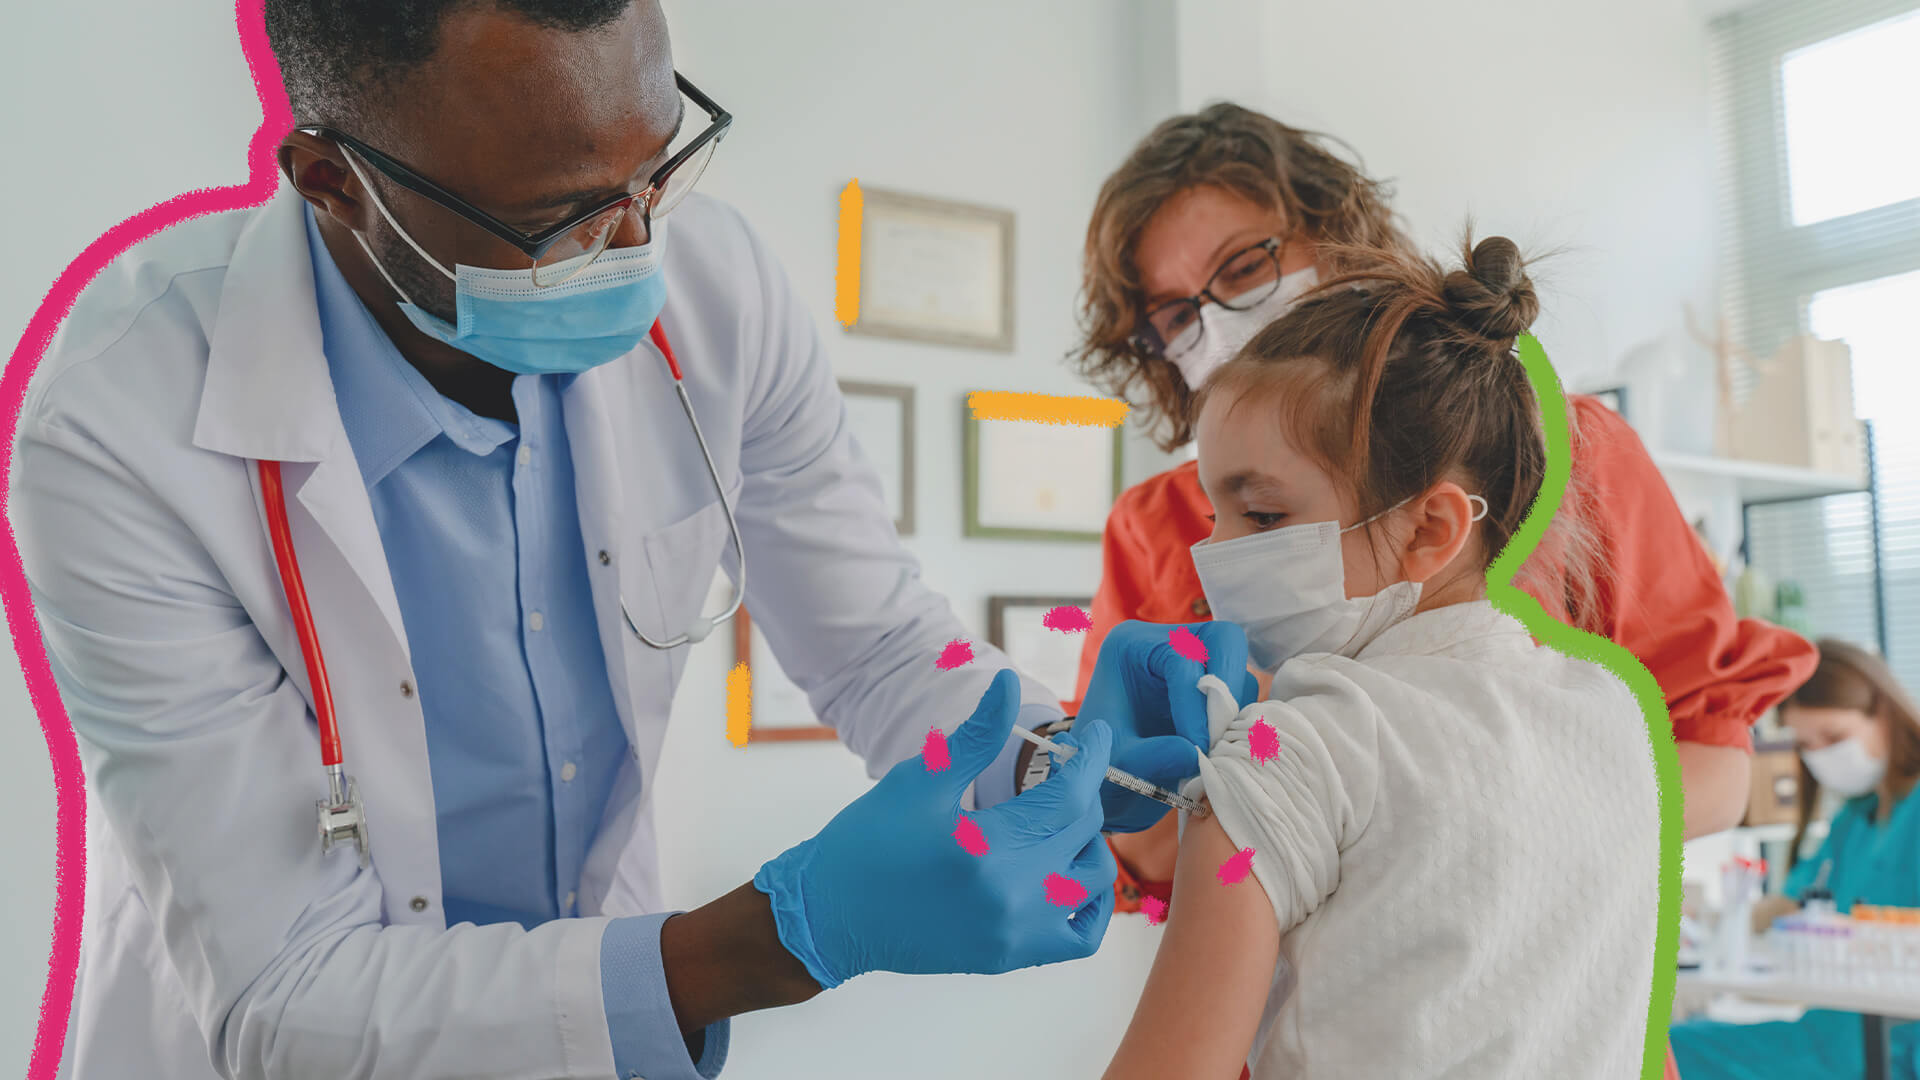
x=1816, y=102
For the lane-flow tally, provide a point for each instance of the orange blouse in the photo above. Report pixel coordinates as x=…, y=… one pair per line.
x=1660, y=596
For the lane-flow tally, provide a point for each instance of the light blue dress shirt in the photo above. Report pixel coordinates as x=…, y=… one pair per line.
x=482, y=535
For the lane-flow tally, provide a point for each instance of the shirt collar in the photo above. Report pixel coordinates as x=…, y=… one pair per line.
x=389, y=409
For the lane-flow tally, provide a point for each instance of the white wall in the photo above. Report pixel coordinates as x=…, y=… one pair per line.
x=1562, y=124
x=1576, y=125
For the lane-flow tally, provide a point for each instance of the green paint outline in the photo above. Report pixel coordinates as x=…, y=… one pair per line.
x=1582, y=645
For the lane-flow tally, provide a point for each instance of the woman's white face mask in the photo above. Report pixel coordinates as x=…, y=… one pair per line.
x=1287, y=588
x=1846, y=767
x=1223, y=330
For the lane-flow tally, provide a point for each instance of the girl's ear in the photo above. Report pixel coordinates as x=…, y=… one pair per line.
x=1442, y=521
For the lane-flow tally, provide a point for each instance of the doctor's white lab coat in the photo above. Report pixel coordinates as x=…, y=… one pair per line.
x=218, y=941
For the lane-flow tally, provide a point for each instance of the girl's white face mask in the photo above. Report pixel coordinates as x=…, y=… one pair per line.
x=1287, y=588
x=1846, y=767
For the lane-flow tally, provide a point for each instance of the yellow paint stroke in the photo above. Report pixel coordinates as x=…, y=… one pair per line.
x=1046, y=408
x=739, y=704
x=846, y=278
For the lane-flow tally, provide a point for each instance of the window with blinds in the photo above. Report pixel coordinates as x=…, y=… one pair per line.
x=1818, y=102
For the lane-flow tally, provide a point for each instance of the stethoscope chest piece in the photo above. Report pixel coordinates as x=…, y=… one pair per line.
x=343, y=818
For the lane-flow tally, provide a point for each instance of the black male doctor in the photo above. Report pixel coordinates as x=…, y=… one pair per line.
x=451, y=331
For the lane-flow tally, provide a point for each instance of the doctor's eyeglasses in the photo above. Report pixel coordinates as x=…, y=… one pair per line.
x=1242, y=281
x=560, y=251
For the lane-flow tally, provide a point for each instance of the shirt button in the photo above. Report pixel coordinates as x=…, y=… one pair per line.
x=568, y=772
x=406, y=688
x=605, y=559
x=1200, y=607
x=569, y=903
x=526, y=454
x=418, y=903
x=535, y=621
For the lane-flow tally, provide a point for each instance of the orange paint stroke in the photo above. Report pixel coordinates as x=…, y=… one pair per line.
x=1046, y=408
x=846, y=277
x=739, y=704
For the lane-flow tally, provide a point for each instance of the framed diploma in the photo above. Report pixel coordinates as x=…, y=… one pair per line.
x=1033, y=481
x=1015, y=625
x=781, y=712
x=936, y=271
x=881, y=417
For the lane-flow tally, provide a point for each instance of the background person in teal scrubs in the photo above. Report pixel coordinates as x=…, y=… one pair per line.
x=1859, y=734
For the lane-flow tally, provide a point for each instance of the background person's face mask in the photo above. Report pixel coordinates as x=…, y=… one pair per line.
x=1223, y=330
x=1846, y=767
x=503, y=318
x=1287, y=588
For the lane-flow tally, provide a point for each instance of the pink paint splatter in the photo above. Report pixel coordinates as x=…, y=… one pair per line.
x=1235, y=869
x=1263, y=741
x=1065, y=892
x=1186, y=644
x=934, y=753
x=1067, y=619
x=972, y=840
x=958, y=653
x=1155, y=909
x=69, y=785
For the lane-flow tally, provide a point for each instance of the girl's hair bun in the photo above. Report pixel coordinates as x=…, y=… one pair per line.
x=1492, y=295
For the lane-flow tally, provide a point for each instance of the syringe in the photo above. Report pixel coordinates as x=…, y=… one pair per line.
x=1117, y=776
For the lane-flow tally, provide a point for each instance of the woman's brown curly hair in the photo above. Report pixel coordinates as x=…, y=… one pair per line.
x=1283, y=169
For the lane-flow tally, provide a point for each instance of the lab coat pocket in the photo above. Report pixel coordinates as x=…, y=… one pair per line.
x=681, y=559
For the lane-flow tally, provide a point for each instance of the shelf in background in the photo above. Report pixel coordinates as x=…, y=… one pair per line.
x=1758, y=481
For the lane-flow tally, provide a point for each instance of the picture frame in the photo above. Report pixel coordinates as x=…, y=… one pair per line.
x=1032, y=481
x=780, y=709
x=881, y=417
x=1014, y=626
x=935, y=271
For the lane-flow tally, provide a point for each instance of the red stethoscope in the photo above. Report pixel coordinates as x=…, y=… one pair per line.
x=343, y=817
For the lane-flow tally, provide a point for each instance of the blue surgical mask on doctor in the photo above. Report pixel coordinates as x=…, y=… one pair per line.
x=598, y=314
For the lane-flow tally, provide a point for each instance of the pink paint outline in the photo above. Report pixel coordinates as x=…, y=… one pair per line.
x=970, y=836
x=1155, y=909
x=70, y=830
x=1236, y=868
x=1067, y=619
x=1063, y=891
x=1187, y=644
x=957, y=654
x=1263, y=742
x=933, y=753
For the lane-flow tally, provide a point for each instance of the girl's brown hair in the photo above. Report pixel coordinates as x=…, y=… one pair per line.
x=1850, y=677
x=1292, y=172
x=1399, y=374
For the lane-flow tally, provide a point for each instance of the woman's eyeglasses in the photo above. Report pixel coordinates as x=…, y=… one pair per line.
x=1242, y=281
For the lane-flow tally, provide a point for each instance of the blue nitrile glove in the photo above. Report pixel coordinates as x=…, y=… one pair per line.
x=1145, y=691
x=886, y=886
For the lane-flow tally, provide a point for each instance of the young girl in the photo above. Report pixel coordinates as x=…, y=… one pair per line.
x=1453, y=831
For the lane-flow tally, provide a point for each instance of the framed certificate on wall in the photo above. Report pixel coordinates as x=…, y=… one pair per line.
x=935, y=270
x=1016, y=625
x=1034, y=481
x=781, y=712
x=881, y=417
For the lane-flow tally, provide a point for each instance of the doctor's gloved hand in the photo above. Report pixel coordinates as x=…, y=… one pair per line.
x=887, y=885
x=1144, y=689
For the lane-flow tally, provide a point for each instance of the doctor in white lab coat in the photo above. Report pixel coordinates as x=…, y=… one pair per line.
x=218, y=939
